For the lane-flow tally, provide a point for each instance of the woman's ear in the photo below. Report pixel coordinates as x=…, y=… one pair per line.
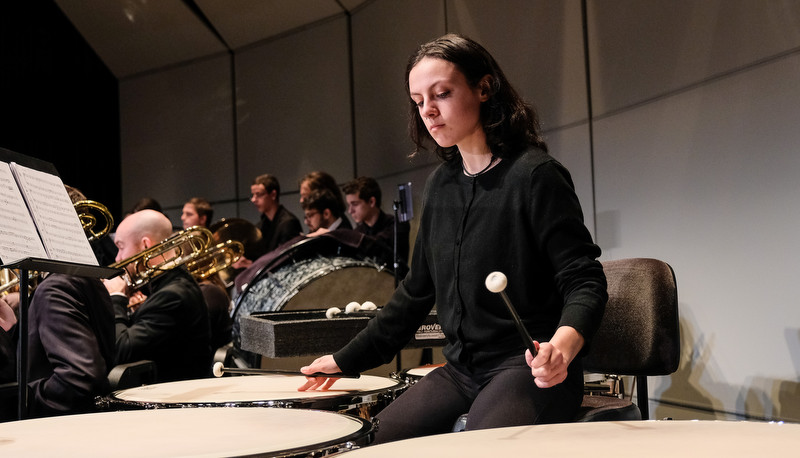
x=485, y=85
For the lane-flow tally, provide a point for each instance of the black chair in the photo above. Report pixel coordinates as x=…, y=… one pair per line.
x=131, y=375
x=639, y=335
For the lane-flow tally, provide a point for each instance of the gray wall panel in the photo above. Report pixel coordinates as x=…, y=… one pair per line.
x=539, y=46
x=294, y=107
x=707, y=181
x=644, y=49
x=177, y=134
x=385, y=33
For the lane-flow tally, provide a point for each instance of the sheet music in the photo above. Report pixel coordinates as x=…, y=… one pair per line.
x=18, y=236
x=54, y=215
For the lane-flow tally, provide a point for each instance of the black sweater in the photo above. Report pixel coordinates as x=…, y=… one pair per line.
x=522, y=218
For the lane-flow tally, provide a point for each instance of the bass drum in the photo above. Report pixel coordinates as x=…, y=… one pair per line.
x=313, y=274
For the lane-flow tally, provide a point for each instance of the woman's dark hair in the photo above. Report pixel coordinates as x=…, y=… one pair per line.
x=511, y=125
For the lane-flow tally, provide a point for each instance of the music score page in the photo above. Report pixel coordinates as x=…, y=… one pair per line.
x=51, y=212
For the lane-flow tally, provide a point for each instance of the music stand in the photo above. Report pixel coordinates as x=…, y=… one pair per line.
x=26, y=265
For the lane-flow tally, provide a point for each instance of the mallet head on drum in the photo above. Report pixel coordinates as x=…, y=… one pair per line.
x=496, y=282
x=217, y=369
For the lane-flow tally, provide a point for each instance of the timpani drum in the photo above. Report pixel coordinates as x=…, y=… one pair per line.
x=414, y=374
x=667, y=438
x=314, y=274
x=363, y=397
x=187, y=432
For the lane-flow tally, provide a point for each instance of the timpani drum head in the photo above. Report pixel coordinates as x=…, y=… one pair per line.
x=186, y=432
x=622, y=439
x=364, y=396
x=414, y=374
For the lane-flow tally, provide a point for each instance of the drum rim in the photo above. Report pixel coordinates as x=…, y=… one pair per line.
x=327, y=403
x=364, y=433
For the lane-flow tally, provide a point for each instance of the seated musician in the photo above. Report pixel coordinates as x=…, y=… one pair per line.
x=318, y=181
x=70, y=345
x=171, y=326
x=277, y=224
x=322, y=212
x=363, y=196
x=8, y=342
x=197, y=212
x=324, y=220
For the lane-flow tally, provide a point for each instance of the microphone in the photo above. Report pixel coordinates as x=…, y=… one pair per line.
x=496, y=282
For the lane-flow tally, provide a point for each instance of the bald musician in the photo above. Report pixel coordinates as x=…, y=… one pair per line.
x=171, y=326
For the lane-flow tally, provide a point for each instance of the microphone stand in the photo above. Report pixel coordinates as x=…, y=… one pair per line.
x=396, y=207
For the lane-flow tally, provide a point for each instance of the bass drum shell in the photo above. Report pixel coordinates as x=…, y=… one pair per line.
x=317, y=283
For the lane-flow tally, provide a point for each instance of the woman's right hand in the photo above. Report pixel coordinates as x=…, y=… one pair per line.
x=324, y=364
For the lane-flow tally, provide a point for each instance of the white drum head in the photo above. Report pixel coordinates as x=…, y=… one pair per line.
x=182, y=432
x=422, y=371
x=623, y=439
x=249, y=388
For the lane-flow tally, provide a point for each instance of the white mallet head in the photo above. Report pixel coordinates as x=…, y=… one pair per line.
x=332, y=312
x=352, y=307
x=496, y=282
x=217, y=370
x=369, y=305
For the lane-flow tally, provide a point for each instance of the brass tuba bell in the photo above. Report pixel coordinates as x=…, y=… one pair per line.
x=95, y=218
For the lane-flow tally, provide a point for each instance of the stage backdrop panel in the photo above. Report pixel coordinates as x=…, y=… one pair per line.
x=177, y=134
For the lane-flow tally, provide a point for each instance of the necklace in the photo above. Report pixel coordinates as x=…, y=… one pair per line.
x=473, y=175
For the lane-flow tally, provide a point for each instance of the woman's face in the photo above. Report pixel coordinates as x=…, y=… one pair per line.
x=448, y=105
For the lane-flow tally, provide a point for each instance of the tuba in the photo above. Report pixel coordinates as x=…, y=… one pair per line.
x=178, y=249
x=95, y=218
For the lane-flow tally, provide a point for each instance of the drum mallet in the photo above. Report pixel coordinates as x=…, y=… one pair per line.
x=218, y=370
x=496, y=282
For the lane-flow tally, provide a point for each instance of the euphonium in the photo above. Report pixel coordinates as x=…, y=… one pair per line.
x=215, y=258
x=95, y=218
x=178, y=249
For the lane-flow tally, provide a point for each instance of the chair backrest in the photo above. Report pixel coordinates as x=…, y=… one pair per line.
x=639, y=334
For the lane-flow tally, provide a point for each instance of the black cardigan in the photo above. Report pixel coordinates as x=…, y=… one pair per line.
x=521, y=217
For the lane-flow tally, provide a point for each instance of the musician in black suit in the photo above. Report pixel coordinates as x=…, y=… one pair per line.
x=8, y=347
x=363, y=196
x=71, y=345
x=171, y=325
x=277, y=224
